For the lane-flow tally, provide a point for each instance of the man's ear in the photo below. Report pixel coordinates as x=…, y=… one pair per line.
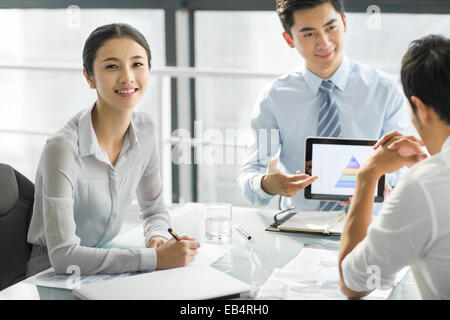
x=89, y=79
x=422, y=109
x=288, y=40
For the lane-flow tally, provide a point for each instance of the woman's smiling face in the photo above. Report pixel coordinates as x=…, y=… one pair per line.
x=120, y=73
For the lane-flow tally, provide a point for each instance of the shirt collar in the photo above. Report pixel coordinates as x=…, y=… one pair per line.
x=446, y=145
x=339, y=78
x=132, y=133
x=87, y=139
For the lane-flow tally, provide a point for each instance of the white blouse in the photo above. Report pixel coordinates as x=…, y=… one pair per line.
x=81, y=198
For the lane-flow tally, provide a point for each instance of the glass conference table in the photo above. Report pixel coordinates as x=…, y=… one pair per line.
x=251, y=261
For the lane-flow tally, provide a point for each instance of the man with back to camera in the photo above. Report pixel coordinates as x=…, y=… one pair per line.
x=334, y=96
x=413, y=227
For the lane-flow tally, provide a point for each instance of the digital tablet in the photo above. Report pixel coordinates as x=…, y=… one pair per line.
x=336, y=162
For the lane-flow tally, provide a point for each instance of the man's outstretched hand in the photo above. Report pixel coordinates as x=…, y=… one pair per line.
x=286, y=185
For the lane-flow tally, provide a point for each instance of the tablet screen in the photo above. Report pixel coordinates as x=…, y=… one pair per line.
x=336, y=162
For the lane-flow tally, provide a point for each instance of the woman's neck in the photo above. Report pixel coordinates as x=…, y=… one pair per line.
x=110, y=126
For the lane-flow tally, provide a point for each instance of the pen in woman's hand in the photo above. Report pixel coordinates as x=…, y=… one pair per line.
x=174, y=234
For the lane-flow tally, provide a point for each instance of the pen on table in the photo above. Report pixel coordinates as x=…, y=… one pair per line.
x=174, y=234
x=243, y=232
x=332, y=225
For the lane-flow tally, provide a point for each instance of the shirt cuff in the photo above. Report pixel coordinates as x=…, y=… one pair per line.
x=255, y=184
x=148, y=259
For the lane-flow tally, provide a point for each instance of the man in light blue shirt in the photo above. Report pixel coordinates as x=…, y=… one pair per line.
x=367, y=104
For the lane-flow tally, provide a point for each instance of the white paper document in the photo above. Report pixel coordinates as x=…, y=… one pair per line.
x=313, y=275
x=207, y=254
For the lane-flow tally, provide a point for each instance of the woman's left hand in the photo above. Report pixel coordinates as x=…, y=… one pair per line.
x=156, y=242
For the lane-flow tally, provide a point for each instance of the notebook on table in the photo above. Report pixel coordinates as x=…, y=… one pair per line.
x=315, y=222
x=186, y=283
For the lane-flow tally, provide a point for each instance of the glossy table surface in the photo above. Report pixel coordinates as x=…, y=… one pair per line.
x=251, y=261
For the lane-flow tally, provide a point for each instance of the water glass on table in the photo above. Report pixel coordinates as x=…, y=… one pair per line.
x=218, y=220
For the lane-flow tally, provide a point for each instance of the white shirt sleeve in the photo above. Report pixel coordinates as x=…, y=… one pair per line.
x=153, y=209
x=58, y=179
x=398, y=238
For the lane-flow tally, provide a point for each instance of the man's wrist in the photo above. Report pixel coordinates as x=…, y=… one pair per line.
x=369, y=173
x=265, y=183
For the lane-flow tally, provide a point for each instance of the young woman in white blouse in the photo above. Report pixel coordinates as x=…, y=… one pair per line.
x=92, y=168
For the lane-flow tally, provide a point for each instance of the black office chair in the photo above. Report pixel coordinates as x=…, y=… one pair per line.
x=16, y=208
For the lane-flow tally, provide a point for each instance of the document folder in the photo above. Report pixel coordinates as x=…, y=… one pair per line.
x=186, y=283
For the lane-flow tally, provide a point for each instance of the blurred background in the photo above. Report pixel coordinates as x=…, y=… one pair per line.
x=210, y=60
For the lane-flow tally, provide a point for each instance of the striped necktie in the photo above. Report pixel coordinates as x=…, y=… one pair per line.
x=329, y=126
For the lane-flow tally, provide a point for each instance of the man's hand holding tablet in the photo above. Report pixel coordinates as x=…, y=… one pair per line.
x=409, y=151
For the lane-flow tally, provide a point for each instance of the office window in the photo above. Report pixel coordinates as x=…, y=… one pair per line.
x=237, y=41
x=42, y=85
x=384, y=48
x=252, y=41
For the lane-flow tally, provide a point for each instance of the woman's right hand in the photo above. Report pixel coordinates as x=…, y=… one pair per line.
x=174, y=254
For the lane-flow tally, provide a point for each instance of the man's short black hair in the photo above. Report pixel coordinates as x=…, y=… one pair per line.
x=426, y=74
x=286, y=8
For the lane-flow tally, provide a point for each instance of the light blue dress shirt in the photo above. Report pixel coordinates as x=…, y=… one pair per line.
x=370, y=104
x=81, y=198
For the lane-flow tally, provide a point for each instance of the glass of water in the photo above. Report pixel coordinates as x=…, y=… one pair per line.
x=218, y=222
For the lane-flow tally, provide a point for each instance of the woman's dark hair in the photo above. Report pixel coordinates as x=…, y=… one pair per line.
x=110, y=31
x=286, y=8
x=425, y=74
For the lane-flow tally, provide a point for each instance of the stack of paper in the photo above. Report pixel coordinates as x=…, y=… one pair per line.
x=312, y=275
